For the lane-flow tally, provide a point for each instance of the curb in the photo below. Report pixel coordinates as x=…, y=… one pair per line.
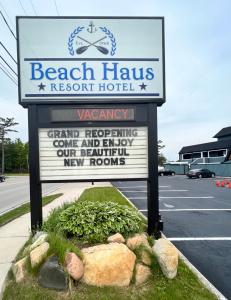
x=195, y=271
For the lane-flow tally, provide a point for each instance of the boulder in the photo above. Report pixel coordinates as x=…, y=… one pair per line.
x=37, y=235
x=52, y=275
x=74, y=265
x=19, y=269
x=40, y=240
x=108, y=265
x=116, y=238
x=137, y=240
x=167, y=256
x=146, y=256
x=142, y=274
x=38, y=254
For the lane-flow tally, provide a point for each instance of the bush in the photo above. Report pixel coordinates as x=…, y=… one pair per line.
x=95, y=221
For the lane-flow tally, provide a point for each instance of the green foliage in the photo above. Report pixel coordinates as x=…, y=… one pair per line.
x=52, y=224
x=95, y=221
x=60, y=246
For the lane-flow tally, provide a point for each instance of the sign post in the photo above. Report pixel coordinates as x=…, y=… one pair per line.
x=92, y=87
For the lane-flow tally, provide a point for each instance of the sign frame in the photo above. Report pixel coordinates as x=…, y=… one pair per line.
x=88, y=100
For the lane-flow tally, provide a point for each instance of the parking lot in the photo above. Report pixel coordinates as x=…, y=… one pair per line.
x=197, y=219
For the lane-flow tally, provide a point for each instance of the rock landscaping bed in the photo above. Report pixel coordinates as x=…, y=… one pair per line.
x=98, y=249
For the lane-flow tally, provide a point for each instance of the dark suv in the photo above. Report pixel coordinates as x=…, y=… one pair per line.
x=166, y=172
x=200, y=173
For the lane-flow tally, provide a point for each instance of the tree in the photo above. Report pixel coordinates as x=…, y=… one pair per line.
x=161, y=158
x=5, y=125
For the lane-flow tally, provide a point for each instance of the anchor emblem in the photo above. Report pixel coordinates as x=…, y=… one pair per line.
x=91, y=28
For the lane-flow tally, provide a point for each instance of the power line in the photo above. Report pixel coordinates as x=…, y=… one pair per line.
x=7, y=25
x=56, y=7
x=8, y=52
x=7, y=74
x=12, y=23
x=8, y=65
x=22, y=7
x=31, y=2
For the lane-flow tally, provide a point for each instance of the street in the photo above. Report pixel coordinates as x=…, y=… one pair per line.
x=196, y=216
x=15, y=191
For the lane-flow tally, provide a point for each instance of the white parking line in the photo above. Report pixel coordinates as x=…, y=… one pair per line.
x=141, y=186
x=189, y=209
x=190, y=197
x=159, y=191
x=197, y=209
x=141, y=198
x=178, y=239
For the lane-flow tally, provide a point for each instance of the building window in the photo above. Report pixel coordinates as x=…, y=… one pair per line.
x=187, y=156
x=217, y=153
x=196, y=155
x=205, y=154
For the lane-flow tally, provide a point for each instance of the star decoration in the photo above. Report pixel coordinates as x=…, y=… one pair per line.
x=143, y=86
x=41, y=87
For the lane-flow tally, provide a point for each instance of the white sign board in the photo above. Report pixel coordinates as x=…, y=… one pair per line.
x=90, y=59
x=92, y=153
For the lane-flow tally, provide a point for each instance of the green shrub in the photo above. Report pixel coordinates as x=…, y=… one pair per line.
x=52, y=224
x=95, y=221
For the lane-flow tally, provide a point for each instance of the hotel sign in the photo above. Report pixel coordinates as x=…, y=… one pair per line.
x=90, y=60
x=93, y=153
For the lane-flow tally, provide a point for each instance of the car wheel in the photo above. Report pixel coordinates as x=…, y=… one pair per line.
x=213, y=175
x=173, y=174
x=161, y=174
x=199, y=176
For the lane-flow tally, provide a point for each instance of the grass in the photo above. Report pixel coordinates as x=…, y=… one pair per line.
x=104, y=195
x=184, y=286
x=16, y=174
x=23, y=209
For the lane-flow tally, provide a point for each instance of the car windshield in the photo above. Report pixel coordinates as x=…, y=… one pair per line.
x=196, y=170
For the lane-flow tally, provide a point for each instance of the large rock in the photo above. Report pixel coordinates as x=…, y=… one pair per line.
x=39, y=241
x=38, y=254
x=167, y=256
x=137, y=240
x=19, y=269
x=108, y=264
x=74, y=265
x=116, y=238
x=52, y=275
x=146, y=255
x=142, y=274
x=37, y=235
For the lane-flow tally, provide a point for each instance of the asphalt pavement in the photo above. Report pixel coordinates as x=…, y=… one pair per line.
x=196, y=216
x=15, y=191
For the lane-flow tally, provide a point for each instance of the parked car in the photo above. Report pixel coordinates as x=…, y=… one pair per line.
x=166, y=172
x=200, y=173
x=2, y=178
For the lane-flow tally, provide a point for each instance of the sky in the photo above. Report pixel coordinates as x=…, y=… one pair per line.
x=197, y=59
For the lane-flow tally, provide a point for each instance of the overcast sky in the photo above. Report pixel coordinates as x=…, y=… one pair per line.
x=198, y=62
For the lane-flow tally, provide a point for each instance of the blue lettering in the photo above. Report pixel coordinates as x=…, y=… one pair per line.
x=106, y=70
x=49, y=72
x=85, y=70
x=150, y=74
x=72, y=74
x=36, y=67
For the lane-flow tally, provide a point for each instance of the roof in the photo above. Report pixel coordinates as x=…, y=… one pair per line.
x=223, y=144
x=223, y=132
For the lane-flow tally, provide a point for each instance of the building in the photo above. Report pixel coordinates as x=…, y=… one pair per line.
x=209, y=153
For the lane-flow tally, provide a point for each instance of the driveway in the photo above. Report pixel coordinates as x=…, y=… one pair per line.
x=197, y=219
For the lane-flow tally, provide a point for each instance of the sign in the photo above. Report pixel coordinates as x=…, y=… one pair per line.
x=93, y=153
x=92, y=114
x=91, y=60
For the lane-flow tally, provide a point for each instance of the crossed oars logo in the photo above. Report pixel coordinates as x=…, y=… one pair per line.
x=101, y=49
